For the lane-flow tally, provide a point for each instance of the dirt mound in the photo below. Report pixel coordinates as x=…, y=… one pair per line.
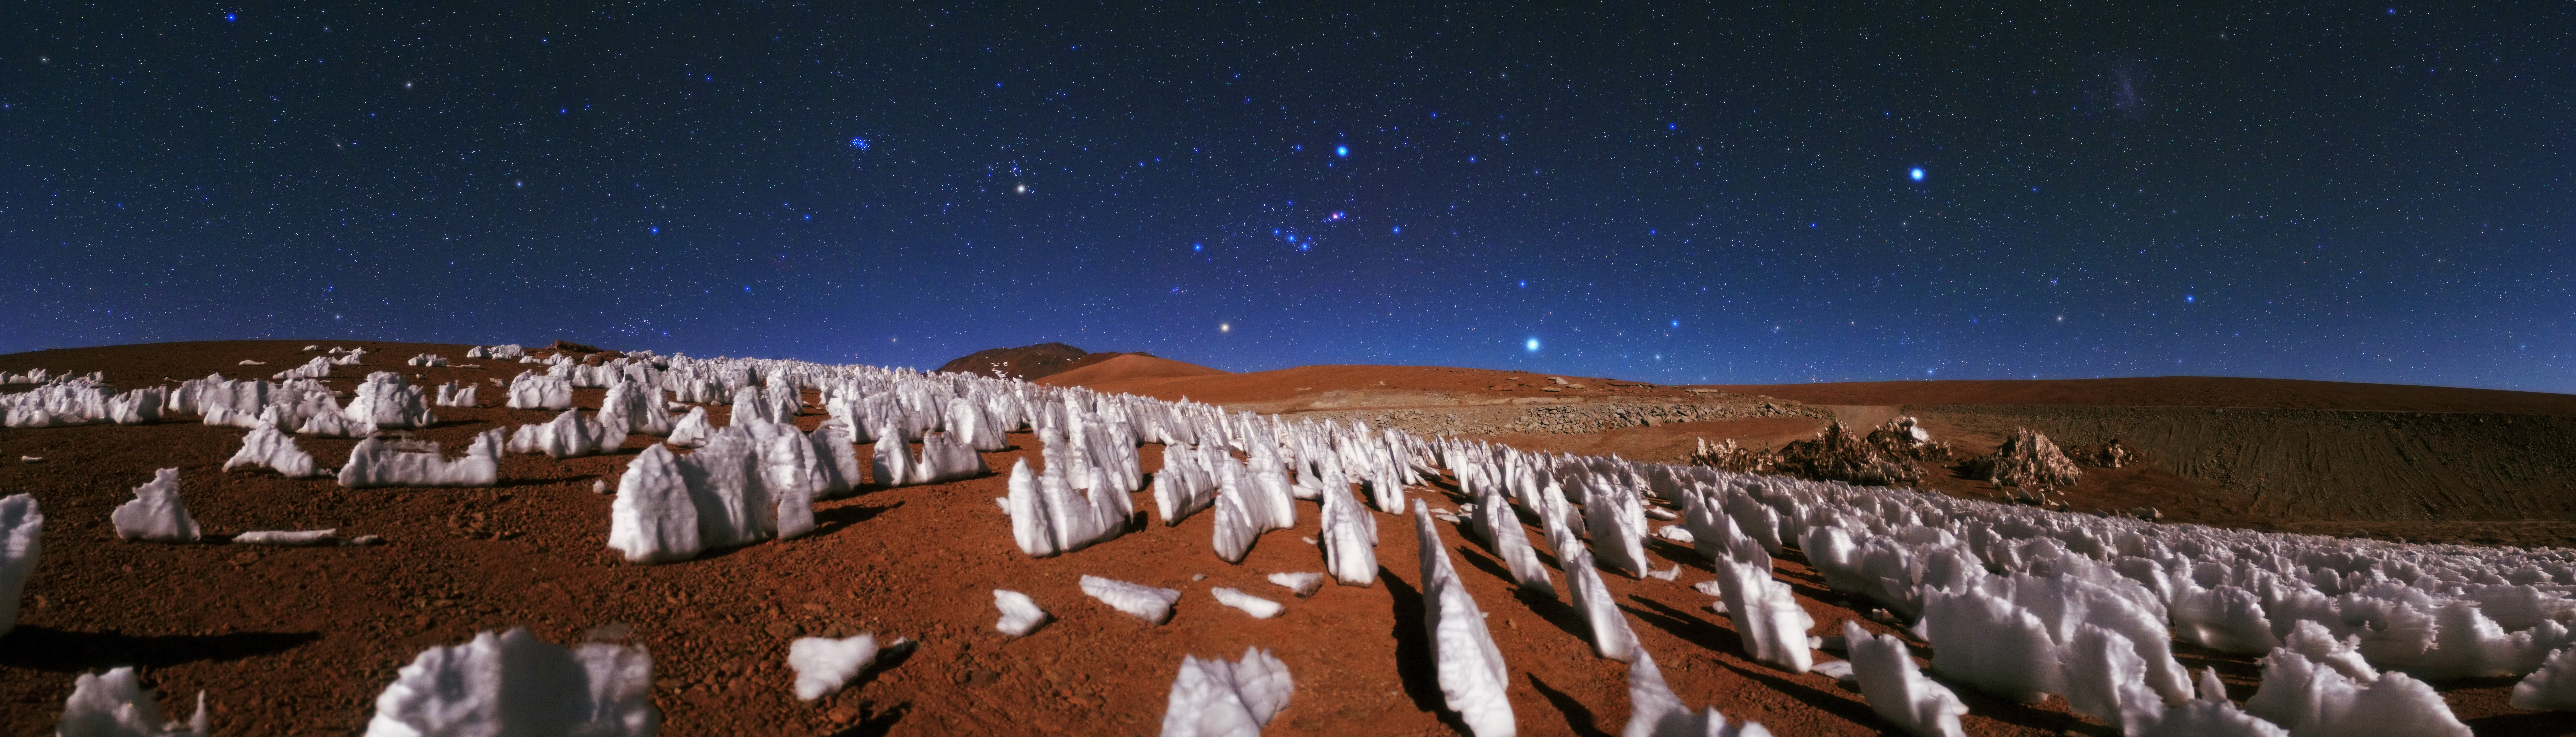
x=1030, y=362
x=1894, y=454
x=1129, y=367
x=2174, y=391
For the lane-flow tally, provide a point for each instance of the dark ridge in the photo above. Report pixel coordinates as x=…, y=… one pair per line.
x=1029, y=362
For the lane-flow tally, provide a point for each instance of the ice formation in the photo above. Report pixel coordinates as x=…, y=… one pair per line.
x=385, y=400
x=156, y=514
x=945, y=458
x=2210, y=715
x=2310, y=699
x=1987, y=642
x=1772, y=625
x=692, y=430
x=1471, y=672
x=1349, y=537
x=2223, y=618
x=381, y=461
x=1258, y=607
x=1268, y=506
x=1215, y=698
x=1186, y=484
x=328, y=424
x=115, y=704
x=135, y=407
x=570, y=435
x=835, y=469
x=1137, y=600
x=2106, y=679
x=512, y=350
x=636, y=408
x=892, y=461
x=85, y=400
x=1049, y=517
x=452, y=394
x=2552, y=687
x=1235, y=529
x=285, y=538
x=1501, y=528
x=265, y=447
x=531, y=390
x=1896, y=689
x=1304, y=584
x=511, y=684
x=1653, y=710
x=824, y=664
x=1020, y=614
x=22, y=527
x=426, y=360
x=730, y=493
x=317, y=368
x=1618, y=525
x=1611, y=637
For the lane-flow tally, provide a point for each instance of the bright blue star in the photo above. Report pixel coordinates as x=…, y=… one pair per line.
x=1532, y=345
x=1342, y=151
x=655, y=229
x=859, y=143
x=1916, y=174
x=2186, y=299
x=1677, y=323
x=228, y=17
x=1524, y=283
x=1399, y=228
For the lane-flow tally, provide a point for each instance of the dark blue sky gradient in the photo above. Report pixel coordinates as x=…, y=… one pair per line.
x=2338, y=191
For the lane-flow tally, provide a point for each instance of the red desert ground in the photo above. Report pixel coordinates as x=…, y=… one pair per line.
x=2266, y=557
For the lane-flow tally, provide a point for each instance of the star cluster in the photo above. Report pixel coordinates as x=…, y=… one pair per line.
x=1674, y=194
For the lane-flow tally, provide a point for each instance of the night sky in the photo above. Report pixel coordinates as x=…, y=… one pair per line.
x=2343, y=191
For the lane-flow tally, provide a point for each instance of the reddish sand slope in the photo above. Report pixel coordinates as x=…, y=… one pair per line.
x=2175, y=391
x=1129, y=367
x=1313, y=383
x=1307, y=387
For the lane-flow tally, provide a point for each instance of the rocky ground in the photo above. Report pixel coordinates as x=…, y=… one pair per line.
x=299, y=641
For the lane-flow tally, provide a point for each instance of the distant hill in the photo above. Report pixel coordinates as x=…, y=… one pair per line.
x=1030, y=362
x=1130, y=366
